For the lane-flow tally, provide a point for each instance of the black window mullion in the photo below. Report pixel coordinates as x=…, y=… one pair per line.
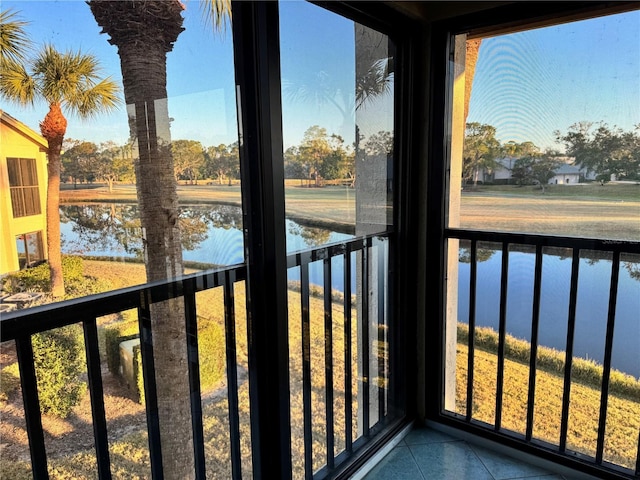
x=232, y=373
x=381, y=322
x=364, y=338
x=256, y=43
x=348, y=379
x=150, y=388
x=305, y=258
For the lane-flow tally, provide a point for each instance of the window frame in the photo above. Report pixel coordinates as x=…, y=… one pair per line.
x=25, y=196
x=29, y=262
x=494, y=21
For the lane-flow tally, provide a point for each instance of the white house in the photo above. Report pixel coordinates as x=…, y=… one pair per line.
x=566, y=175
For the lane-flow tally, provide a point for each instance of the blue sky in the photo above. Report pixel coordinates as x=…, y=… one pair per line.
x=531, y=83
x=527, y=84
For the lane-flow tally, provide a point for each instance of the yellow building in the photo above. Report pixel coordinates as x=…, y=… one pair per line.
x=23, y=195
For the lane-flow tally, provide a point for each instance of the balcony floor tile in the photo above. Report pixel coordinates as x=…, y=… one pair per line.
x=429, y=454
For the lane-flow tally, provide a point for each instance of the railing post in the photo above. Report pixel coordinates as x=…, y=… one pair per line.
x=32, y=416
x=257, y=69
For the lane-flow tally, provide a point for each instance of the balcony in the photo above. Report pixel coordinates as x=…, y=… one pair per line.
x=386, y=376
x=335, y=425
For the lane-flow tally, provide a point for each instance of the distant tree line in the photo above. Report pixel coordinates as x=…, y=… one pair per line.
x=598, y=149
x=319, y=157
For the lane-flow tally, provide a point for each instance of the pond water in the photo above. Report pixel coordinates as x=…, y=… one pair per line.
x=591, y=309
x=213, y=234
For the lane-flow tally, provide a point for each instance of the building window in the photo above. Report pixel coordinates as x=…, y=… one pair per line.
x=23, y=183
x=30, y=250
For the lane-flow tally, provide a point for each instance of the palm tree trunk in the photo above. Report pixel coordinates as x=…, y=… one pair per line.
x=144, y=70
x=471, y=59
x=53, y=128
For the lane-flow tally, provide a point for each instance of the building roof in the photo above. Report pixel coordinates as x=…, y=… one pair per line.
x=25, y=130
x=565, y=169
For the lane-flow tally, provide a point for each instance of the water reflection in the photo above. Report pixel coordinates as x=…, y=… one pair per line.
x=211, y=234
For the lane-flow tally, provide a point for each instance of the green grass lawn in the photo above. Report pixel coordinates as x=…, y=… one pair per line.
x=589, y=191
x=611, y=211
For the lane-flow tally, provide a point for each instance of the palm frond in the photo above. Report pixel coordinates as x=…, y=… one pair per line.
x=14, y=41
x=90, y=102
x=72, y=79
x=216, y=12
x=16, y=84
x=318, y=88
x=377, y=81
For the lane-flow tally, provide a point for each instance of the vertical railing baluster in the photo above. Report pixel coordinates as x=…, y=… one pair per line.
x=608, y=349
x=364, y=338
x=96, y=393
x=473, y=275
x=348, y=378
x=32, y=415
x=305, y=258
x=328, y=359
x=191, y=326
x=150, y=389
x=568, y=358
x=232, y=372
x=533, y=353
x=381, y=325
x=502, y=331
x=638, y=456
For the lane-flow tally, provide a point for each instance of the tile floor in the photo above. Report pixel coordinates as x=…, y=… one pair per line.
x=429, y=454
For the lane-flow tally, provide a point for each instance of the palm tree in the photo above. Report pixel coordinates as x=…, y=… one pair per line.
x=65, y=81
x=144, y=32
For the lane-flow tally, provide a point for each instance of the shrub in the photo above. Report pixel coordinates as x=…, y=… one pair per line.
x=137, y=368
x=36, y=279
x=211, y=356
x=30, y=279
x=59, y=360
x=9, y=381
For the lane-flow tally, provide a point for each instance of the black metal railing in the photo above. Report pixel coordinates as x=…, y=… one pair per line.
x=355, y=255
x=571, y=248
x=365, y=346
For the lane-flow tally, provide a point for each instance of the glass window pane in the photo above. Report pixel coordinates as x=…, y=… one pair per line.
x=338, y=112
x=544, y=141
x=548, y=130
x=337, y=90
x=189, y=106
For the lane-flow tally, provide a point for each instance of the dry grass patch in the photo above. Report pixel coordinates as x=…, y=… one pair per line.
x=623, y=415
